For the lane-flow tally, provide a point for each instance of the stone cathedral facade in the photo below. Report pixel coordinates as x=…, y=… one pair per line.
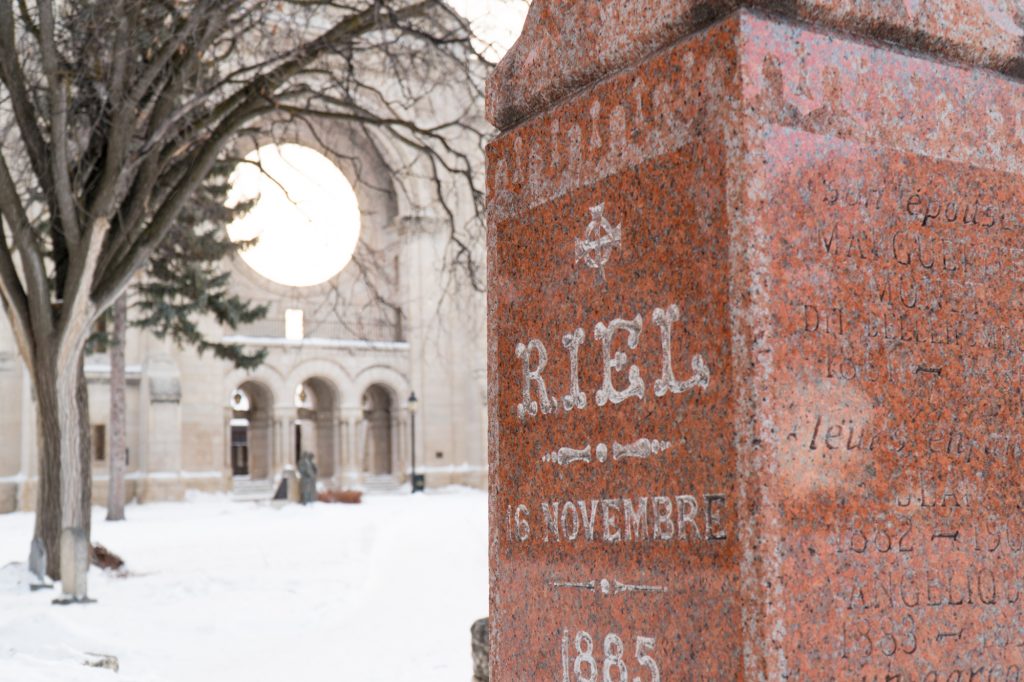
x=344, y=358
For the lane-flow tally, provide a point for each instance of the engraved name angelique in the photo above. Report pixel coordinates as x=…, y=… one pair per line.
x=534, y=357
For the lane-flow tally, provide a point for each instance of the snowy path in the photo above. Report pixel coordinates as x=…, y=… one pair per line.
x=236, y=592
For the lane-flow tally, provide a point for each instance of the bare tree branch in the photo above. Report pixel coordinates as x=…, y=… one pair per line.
x=59, y=159
x=12, y=73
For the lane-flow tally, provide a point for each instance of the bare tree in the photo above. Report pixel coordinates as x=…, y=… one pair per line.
x=117, y=110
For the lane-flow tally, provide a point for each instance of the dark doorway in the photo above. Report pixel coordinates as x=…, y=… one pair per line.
x=251, y=430
x=240, y=450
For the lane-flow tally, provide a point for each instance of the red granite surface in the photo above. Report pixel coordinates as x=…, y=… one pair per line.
x=839, y=226
x=565, y=45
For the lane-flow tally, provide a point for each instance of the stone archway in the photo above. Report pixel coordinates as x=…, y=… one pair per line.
x=251, y=430
x=378, y=416
x=316, y=425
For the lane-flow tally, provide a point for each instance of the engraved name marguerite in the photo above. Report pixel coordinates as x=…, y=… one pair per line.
x=600, y=239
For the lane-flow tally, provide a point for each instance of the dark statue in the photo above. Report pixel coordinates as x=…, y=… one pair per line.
x=307, y=480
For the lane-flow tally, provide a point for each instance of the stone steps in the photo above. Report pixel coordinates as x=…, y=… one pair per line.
x=252, y=490
x=373, y=485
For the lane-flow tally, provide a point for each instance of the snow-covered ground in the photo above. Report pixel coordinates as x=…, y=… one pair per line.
x=241, y=592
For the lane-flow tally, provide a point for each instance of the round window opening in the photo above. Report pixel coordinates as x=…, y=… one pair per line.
x=305, y=219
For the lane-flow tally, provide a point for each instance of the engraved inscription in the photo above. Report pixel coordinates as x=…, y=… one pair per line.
x=608, y=587
x=655, y=518
x=600, y=239
x=533, y=375
x=575, y=398
x=586, y=665
x=616, y=361
x=909, y=313
x=642, y=448
x=664, y=319
x=613, y=336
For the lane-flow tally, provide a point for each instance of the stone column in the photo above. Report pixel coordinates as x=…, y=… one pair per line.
x=754, y=342
x=343, y=451
x=284, y=439
x=227, y=464
x=399, y=457
x=336, y=446
x=405, y=441
x=362, y=454
x=405, y=444
x=351, y=471
x=324, y=427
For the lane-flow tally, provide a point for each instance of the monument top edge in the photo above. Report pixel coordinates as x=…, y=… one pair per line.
x=565, y=45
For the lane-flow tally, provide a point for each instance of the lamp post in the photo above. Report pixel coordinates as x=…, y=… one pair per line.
x=417, y=479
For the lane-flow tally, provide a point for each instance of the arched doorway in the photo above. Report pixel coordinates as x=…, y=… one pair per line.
x=316, y=424
x=250, y=430
x=377, y=415
x=239, y=433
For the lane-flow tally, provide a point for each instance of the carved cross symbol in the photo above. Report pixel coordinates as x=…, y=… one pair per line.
x=598, y=242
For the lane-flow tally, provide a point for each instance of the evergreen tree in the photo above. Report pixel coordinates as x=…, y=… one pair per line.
x=186, y=280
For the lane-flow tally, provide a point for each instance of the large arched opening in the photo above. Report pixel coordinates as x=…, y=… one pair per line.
x=251, y=430
x=316, y=424
x=379, y=446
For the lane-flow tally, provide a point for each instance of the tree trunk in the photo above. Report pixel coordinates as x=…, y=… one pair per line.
x=118, y=445
x=50, y=516
x=85, y=447
x=70, y=426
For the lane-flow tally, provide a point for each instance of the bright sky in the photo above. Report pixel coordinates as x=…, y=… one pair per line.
x=497, y=22
x=307, y=216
